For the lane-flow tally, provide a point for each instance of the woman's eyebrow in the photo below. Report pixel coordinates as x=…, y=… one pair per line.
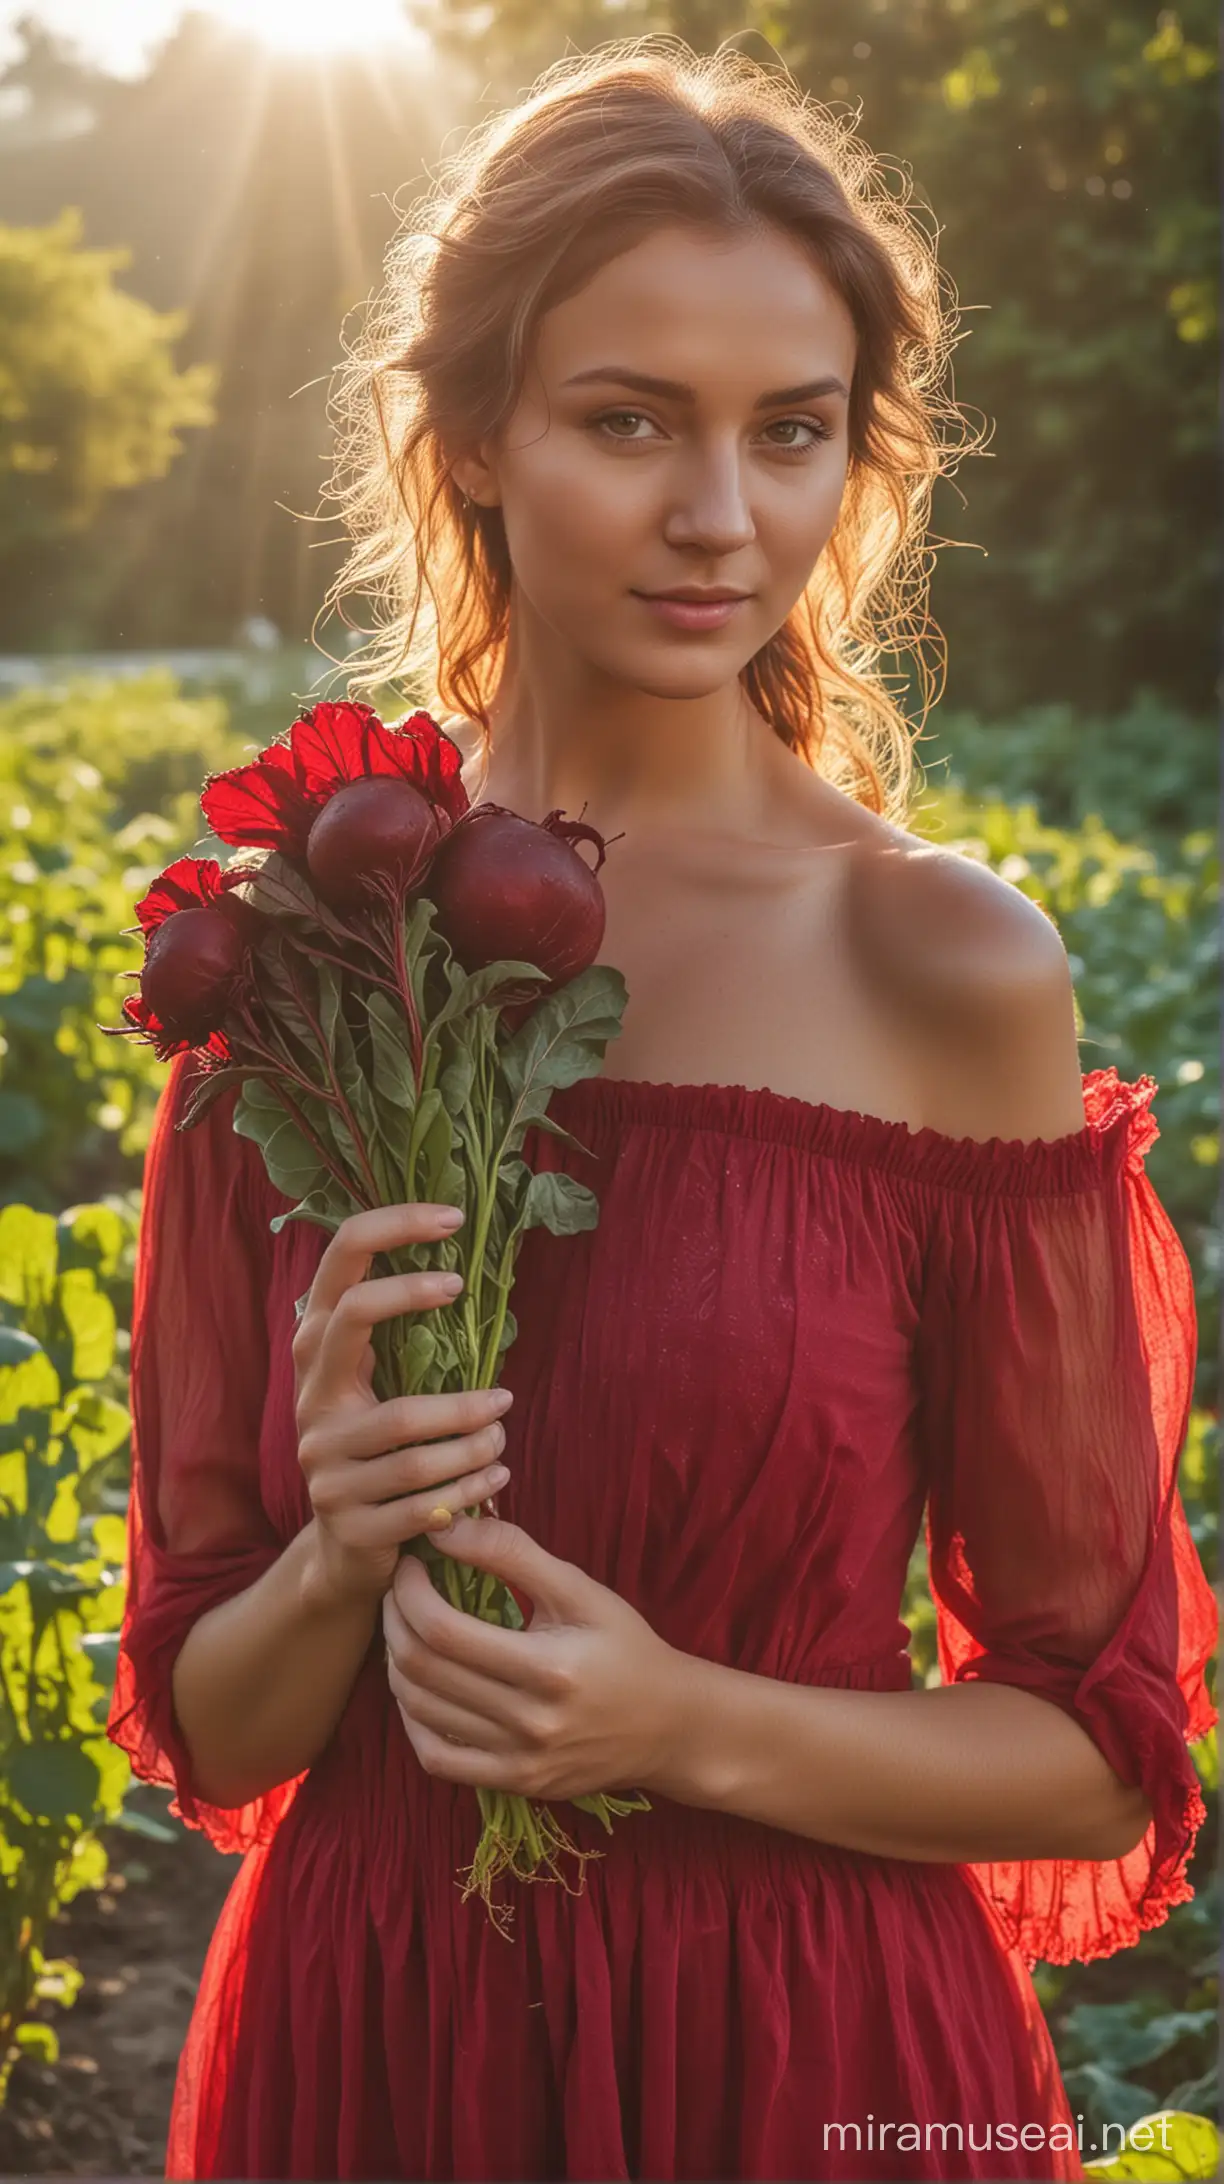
x=676, y=390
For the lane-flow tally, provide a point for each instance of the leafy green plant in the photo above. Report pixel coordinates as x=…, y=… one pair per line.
x=1119, y=2045
x=63, y=1443
x=1149, y=773
x=1164, y=2146
x=98, y=789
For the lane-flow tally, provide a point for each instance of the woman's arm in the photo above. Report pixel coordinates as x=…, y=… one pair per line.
x=262, y=1680
x=961, y=1772
x=591, y=1697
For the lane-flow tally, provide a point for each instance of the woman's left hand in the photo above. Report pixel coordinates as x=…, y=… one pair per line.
x=588, y=1698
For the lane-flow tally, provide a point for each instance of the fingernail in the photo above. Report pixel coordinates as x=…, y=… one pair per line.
x=500, y=1399
x=452, y=1283
x=499, y=1475
x=449, y=1216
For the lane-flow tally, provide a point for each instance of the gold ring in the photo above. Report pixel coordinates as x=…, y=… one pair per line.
x=439, y=1518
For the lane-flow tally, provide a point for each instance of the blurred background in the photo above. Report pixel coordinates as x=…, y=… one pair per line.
x=193, y=203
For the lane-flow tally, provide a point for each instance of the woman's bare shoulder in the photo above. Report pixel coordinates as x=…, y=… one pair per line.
x=981, y=982
x=943, y=920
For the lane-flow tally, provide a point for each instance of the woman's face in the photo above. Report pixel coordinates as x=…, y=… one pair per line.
x=683, y=426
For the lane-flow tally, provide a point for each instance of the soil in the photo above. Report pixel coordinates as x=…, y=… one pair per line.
x=103, y=2109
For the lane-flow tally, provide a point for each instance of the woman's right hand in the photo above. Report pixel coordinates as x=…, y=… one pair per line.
x=375, y=1470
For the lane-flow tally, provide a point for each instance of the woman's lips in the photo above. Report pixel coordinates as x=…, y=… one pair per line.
x=692, y=613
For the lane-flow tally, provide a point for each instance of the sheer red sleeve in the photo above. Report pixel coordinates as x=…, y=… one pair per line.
x=197, y=1529
x=1057, y=1345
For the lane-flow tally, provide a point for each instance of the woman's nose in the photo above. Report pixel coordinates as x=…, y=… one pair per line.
x=710, y=509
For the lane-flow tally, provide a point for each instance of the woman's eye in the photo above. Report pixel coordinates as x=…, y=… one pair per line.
x=614, y=417
x=613, y=424
x=814, y=425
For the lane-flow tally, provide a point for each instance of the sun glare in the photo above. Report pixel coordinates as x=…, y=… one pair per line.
x=317, y=26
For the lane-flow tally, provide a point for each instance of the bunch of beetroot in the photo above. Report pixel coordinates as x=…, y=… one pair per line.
x=397, y=981
x=373, y=815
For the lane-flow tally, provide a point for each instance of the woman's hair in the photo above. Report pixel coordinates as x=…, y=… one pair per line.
x=606, y=148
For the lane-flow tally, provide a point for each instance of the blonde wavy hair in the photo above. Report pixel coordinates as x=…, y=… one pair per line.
x=606, y=147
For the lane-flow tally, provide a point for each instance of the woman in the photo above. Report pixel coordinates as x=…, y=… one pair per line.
x=641, y=447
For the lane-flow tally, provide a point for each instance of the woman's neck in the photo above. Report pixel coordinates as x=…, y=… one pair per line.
x=629, y=760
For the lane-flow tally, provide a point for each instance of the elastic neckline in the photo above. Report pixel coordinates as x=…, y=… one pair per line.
x=1118, y=1128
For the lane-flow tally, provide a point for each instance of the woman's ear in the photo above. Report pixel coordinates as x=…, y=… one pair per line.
x=476, y=479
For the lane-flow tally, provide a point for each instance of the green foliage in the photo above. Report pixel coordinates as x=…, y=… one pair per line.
x=99, y=787
x=1164, y=2146
x=90, y=399
x=1200, y=1491
x=1114, y=2040
x=63, y=1444
x=1151, y=774
x=1069, y=152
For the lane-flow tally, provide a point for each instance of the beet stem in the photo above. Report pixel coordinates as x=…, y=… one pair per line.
x=373, y=978
x=338, y=1173
x=502, y=1284
x=339, y=1101
x=271, y=1068
x=404, y=987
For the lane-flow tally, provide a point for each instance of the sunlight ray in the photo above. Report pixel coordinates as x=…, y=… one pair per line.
x=344, y=210
x=317, y=26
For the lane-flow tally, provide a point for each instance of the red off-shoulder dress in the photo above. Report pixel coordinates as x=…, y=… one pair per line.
x=794, y=1328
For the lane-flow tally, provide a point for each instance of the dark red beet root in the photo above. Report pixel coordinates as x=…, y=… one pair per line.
x=507, y=888
x=192, y=961
x=375, y=826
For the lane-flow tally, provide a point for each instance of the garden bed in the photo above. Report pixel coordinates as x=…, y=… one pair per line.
x=140, y=1941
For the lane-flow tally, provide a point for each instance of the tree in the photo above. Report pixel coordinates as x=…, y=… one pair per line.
x=1069, y=148
x=91, y=401
x=256, y=191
